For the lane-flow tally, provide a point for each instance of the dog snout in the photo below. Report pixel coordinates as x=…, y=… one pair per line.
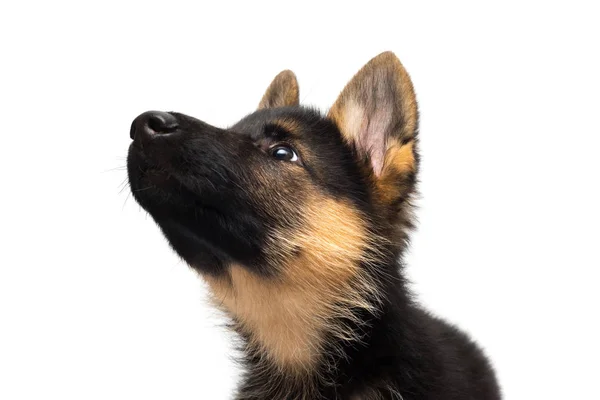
x=151, y=124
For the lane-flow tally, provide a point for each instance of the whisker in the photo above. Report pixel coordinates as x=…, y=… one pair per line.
x=142, y=189
x=119, y=168
x=123, y=185
x=125, y=202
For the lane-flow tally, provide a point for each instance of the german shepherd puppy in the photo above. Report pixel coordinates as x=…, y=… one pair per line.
x=298, y=221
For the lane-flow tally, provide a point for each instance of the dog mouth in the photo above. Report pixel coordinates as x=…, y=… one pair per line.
x=181, y=175
x=192, y=221
x=162, y=189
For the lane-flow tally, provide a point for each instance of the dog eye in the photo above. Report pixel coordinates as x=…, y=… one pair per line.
x=284, y=153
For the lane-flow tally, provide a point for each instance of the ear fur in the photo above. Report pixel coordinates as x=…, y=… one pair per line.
x=377, y=114
x=377, y=110
x=282, y=92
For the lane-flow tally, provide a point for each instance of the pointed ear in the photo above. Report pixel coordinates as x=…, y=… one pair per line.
x=282, y=92
x=377, y=114
x=377, y=110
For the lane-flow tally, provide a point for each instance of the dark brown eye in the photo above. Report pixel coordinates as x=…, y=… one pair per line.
x=284, y=153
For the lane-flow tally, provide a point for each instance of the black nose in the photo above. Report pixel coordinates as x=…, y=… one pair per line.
x=152, y=123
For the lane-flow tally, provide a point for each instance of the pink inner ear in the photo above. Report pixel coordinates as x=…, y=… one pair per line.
x=373, y=135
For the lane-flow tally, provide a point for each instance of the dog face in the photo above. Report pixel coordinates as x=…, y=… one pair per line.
x=287, y=205
x=235, y=195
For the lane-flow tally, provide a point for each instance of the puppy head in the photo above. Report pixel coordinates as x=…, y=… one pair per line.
x=287, y=213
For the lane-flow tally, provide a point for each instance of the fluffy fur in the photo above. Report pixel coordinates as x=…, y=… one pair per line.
x=298, y=222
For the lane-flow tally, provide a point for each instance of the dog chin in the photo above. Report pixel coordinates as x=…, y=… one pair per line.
x=193, y=248
x=200, y=233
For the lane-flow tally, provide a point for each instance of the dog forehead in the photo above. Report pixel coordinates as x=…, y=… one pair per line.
x=290, y=119
x=253, y=123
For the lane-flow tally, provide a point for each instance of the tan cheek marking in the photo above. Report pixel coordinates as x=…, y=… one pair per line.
x=286, y=317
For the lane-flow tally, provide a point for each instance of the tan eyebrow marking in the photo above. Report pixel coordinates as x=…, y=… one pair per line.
x=287, y=124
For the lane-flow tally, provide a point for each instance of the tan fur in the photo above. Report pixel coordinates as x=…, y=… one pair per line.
x=290, y=125
x=400, y=159
x=286, y=317
x=282, y=92
x=399, y=162
x=351, y=118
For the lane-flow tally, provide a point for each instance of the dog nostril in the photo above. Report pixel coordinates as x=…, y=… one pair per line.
x=151, y=124
x=162, y=122
x=132, y=130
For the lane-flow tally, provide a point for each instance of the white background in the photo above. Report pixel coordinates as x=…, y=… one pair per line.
x=93, y=303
